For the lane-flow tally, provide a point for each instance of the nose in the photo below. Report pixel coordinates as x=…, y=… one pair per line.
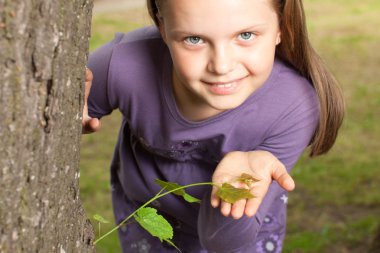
x=222, y=60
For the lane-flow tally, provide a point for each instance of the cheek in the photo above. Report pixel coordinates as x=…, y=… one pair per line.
x=187, y=65
x=260, y=61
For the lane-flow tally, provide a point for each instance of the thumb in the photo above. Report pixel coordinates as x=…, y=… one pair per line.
x=281, y=175
x=90, y=125
x=94, y=124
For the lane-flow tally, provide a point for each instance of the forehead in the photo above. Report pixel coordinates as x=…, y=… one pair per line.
x=216, y=14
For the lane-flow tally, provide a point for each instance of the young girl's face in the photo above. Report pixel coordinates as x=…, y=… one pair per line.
x=222, y=51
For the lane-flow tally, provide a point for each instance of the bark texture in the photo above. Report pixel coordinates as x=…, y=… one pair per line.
x=43, y=51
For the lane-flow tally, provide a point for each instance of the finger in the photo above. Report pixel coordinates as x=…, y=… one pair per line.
x=258, y=192
x=225, y=208
x=238, y=209
x=283, y=178
x=214, y=198
x=252, y=206
x=218, y=180
x=94, y=124
x=91, y=125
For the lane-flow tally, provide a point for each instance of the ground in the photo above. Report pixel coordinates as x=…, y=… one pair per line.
x=107, y=6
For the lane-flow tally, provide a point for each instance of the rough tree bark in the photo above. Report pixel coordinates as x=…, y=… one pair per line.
x=43, y=49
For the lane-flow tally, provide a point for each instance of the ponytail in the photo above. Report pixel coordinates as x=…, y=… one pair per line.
x=295, y=48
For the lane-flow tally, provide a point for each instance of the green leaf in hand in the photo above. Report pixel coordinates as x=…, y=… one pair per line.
x=169, y=186
x=100, y=219
x=231, y=194
x=154, y=223
x=247, y=179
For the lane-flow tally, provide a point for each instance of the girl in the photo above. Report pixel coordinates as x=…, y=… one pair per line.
x=219, y=88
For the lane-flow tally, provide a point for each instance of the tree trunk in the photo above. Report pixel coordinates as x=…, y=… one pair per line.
x=43, y=52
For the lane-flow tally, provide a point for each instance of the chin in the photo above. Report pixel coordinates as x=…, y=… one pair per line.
x=224, y=106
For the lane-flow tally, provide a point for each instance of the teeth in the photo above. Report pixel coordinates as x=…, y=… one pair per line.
x=226, y=85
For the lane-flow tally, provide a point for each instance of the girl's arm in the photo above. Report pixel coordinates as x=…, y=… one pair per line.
x=286, y=140
x=218, y=231
x=97, y=102
x=89, y=125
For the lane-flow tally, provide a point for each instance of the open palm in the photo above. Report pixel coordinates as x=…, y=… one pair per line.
x=261, y=165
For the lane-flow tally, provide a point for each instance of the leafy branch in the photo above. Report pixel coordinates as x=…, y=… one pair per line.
x=158, y=226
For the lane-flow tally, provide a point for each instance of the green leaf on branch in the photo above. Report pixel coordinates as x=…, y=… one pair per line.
x=231, y=194
x=154, y=223
x=191, y=199
x=100, y=219
x=169, y=186
x=173, y=245
x=247, y=179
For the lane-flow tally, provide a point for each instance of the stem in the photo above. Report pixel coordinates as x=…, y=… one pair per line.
x=157, y=196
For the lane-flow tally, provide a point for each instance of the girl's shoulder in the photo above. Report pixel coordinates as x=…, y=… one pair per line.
x=140, y=47
x=137, y=41
x=284, y=87
x=285, y=94
x=128, y=66
x=139, y=35
x=289, y=81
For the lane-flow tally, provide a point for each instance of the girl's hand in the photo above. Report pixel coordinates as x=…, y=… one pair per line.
x=263, y=166
x=89, y=125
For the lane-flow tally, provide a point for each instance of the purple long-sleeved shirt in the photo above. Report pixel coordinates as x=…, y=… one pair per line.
x=132, y=73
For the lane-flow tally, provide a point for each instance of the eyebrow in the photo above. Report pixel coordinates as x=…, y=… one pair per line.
x=186, y=32
x=253, y=27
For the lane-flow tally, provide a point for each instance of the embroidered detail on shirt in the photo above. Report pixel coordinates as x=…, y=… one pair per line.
x=142, y=246
x=156, y=204
x=178, y=224
x=284, y=199
x=185, y=150
x=270, y=221
x=270, y=244
x=123, y=228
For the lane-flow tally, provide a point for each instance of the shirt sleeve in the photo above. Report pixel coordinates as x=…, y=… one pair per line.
x=99, y=102
x=286, y=139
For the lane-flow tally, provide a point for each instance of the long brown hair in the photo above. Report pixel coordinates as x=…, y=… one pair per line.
x=295, y=48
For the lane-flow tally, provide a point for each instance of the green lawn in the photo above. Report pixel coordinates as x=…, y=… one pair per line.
x=336, y=205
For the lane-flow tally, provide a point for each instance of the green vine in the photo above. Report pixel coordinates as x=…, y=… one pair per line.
x=157, y=225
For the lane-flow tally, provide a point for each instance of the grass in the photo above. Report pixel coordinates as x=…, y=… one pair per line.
x=336, y=204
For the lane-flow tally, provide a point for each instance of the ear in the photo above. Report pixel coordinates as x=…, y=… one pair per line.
x=278, y=38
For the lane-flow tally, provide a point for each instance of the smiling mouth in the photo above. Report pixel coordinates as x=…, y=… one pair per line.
x=224, y=88
x=225, y=84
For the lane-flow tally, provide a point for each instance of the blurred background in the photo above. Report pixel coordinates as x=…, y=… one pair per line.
x=336, y=204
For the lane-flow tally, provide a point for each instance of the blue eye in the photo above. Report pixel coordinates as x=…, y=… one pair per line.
x=246, y=36
x=193, y=40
